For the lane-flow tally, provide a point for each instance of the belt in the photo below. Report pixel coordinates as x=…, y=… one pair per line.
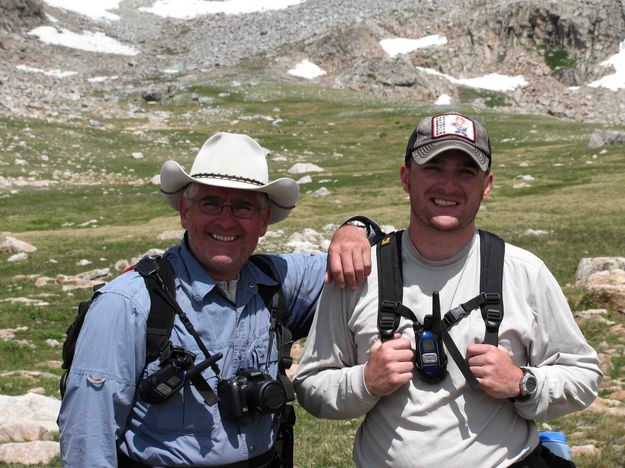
x=268, y=459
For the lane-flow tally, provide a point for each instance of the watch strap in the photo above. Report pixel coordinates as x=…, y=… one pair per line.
x=372, y=230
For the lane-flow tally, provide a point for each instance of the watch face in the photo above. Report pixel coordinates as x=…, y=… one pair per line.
x=529, y=384
x=357, y=223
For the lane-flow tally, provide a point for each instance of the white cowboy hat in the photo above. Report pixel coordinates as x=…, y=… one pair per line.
x=232, y=161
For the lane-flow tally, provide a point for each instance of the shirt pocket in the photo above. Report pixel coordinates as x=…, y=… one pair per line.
x=258, y=352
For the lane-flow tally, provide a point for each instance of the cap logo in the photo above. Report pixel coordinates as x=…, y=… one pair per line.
x=453, y=124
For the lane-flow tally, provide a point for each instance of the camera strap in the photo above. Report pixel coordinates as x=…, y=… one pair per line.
x=149, y=269
x=277, y=306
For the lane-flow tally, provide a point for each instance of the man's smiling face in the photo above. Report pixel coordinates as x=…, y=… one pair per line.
x=446, y=191
x=223, y=242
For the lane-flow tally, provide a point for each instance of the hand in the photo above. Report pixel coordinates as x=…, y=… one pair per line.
x=390, y=366
x=493, y=367
x=349, y=257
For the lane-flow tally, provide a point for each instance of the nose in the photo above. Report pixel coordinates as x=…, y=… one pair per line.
x=226, y=218
x=447, y=182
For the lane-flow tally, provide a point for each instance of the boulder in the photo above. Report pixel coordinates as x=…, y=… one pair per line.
x=588, y=266
x=604, y=276
x=11, y=244
x=303, y=168
x=39, y=452
x=600, y=138
x=28, y=417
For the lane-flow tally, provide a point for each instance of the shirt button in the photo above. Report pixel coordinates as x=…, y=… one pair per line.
x=252, y=448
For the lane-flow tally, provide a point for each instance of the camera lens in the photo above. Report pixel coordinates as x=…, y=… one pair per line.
x=271, y=396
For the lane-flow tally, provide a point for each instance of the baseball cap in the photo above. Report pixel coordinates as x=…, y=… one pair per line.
x=440, y=133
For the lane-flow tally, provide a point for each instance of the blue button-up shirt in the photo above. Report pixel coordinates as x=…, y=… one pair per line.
x=101, y=413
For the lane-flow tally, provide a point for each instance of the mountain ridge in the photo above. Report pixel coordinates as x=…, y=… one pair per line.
x=558, y=47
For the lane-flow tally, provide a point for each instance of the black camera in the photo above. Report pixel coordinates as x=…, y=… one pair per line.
x=161, y=385
x=250, y=390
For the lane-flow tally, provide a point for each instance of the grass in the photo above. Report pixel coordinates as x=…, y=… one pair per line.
x=557, y=59
x=573, y=194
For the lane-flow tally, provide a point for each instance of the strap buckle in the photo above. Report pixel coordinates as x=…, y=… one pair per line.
x=390, y=307
x=454, y=315
x=492, y=298
x=493, y=319
x=388, y=319
x=147, y=266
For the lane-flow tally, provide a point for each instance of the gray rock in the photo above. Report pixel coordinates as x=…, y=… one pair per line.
x=18, y=257
x=28, y=417
x=600, y=138
x=11, y=244
x=588, y=266
x=29, y=453
x=302, y=168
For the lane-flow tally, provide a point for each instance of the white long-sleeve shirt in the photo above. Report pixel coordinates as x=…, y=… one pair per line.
x=447, y=424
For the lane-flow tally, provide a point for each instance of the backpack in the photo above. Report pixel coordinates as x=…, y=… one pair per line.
x=490, y=299
x=159, y=279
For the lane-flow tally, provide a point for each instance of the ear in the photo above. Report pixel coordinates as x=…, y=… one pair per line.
x=404, y=175
x=488, y=185
x=183, y=208
x=265, y=221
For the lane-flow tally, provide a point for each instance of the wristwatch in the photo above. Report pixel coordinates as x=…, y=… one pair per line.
x=528, y=385
x=372, y=230
x=357, y=223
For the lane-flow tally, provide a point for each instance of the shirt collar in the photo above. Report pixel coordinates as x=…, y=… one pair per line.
x=416, y=255
x=201, y=282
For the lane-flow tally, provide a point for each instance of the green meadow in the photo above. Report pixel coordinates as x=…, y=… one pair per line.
x=77, y=193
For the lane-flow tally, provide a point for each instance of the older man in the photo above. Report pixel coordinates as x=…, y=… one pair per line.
x=225, y=203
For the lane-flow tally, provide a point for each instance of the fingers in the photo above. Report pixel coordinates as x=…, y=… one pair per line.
x=482, y=355
x=355, y=275
x=477, y=349
x=328, y=277
x=349, y=258
x=334, y=269
x=389, y=367
x=494, y=369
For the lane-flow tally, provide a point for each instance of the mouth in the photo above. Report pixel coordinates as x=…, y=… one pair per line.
x=221, y=238
x=444, y=203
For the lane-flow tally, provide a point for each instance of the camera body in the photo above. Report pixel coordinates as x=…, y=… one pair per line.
x=248, y=391
x=165, y=382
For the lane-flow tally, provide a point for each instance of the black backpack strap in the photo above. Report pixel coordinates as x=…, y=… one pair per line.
x=269, y=292
x=72, y=332
x=492, y=250
x=390, y=284
x=161, y=316
x=274, y=299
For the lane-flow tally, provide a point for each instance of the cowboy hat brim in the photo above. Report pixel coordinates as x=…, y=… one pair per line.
x=283, y=193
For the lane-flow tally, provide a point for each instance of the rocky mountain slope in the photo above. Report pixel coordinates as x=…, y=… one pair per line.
x=558, y=48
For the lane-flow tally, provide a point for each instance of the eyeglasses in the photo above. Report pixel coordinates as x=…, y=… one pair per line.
x=214, y=206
